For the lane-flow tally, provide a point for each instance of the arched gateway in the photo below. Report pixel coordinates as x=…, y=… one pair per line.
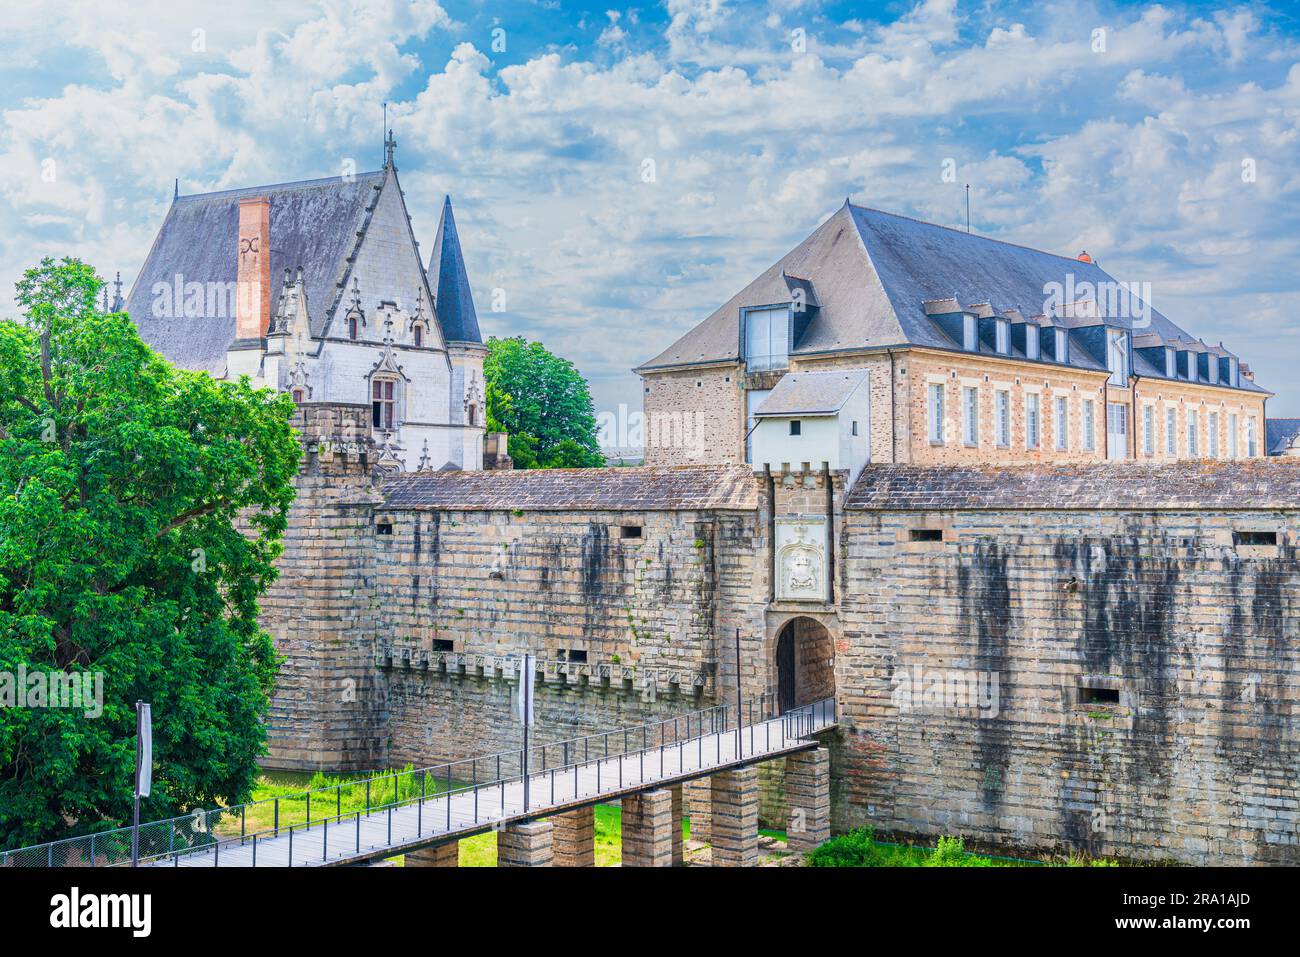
x=805, y=663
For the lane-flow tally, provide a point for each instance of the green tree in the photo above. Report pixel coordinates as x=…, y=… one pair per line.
x=141, y=509
x=543, y=402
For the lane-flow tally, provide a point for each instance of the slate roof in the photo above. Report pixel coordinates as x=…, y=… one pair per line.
x=1279, y=434
x=314, y=226
x=1246, y=484
x=663, y=488
x=453, y=300
x=873, y=273
x=811, y=393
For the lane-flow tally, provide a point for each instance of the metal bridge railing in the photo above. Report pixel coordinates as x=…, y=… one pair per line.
x=485, y=778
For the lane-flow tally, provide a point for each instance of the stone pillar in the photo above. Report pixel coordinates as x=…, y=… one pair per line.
x=735, y=818
x=440, y=855
x=647, y=829
x=679, y=853
x=575, y=838
x=698, y=804
x=526, y=845
x=808, y=793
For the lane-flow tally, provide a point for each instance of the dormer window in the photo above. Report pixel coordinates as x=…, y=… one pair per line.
x=1171, y=363
x=352, y=327
x=767, y=338
x=1117, y=356
x=1212, y=369
x=1032, y=347
x=1234, y=372
x=970, y=333
x=1061, y=347
x=1003, y=336
x=1191, y=364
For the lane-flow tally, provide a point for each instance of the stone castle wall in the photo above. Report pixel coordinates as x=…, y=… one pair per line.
x=1193, y=636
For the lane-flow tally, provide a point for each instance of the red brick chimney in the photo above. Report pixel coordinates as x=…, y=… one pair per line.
x=253, y=312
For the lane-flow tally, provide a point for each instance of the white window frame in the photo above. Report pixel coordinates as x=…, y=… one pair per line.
x=1171, y=363
x=1117, y=360
x=1002, y=417
x=1002, y=336
x=970, y=332
x=1171, y=432
x=1212, y=428
x=1148, y=430
x=970, y=415
x=1033, y=348
x=1193, y=427
x=1252, y=437
x=1033, y=420
x=772, y=317
x=1089, y=415
x=1061, y=351
x=935, y=412
x=1061, y=423
x=1234, y=441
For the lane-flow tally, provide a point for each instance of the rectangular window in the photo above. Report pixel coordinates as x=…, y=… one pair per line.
x=1031, y=341
x=1192, y=450
x=1003, y=332
x=936, y=412
x=767, y=338
x=1089, y=426
x=1251, y=450
x=1212, y=424
x=1031, y=420
x=1117, y=357
x=927, y=534
x=1234, y=446
x=1254, y=538
x=796, y=427
x=1149, y=429
x=1116, y=431
x=855, y=426
x=970, y=333
x=1095, y=695
x=382, y=403
x=629, y=531
x=1003, y=412
x=1061, y=424
x=1062, y=350
x=1171, y=364
x=1171, y=432
x=1234, y=372
x=970, y=412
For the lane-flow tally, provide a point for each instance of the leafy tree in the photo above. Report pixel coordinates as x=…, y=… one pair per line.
x=542, y=401
x=141, y=509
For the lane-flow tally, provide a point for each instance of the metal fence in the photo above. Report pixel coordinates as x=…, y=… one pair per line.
x=485, y=779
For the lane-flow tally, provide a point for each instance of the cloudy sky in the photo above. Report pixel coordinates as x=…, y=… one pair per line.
x=1164, y=139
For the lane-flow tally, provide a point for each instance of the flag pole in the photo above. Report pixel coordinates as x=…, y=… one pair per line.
x=135, y=786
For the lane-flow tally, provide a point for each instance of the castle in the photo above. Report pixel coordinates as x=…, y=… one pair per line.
x=1031, y=649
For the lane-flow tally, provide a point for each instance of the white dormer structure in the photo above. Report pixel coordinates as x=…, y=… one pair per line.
x=815, y=417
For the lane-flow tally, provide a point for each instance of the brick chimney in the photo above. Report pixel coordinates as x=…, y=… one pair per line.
x=253, y=312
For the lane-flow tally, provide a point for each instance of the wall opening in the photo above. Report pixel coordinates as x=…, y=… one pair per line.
x=805, y=663
x=927, y=534
x=1254, y=538
x=1089, y=694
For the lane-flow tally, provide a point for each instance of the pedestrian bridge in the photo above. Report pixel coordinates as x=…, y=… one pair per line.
x=408, y=811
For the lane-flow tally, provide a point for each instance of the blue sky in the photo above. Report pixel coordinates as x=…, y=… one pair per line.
x=1164, y=139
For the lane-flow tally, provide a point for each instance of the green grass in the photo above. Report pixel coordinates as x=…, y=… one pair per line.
x=860, y=849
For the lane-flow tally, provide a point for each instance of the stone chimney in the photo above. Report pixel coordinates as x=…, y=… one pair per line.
x=495, y=456
x=253, y=312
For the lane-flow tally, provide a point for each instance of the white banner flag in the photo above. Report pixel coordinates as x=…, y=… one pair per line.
x=144, y=766
x=527, y=671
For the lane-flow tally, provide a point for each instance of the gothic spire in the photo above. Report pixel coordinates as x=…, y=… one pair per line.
x=453, y=301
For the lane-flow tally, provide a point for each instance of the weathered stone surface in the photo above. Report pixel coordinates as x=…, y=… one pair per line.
x=575, y=838
x=808, y=795
x=647, y=822
x=526, y=845
x=734, y=826
x=440, y=855
x=679, y=851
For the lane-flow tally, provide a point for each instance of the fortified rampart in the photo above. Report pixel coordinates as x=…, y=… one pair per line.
x=1096, y=658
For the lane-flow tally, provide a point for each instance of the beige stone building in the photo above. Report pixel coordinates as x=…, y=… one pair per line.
x=976, y=351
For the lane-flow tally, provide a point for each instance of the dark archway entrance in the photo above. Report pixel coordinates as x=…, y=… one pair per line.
x=805, y=663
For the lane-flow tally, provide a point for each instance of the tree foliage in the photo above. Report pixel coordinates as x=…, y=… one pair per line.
x=141, y=509
x=542, y=401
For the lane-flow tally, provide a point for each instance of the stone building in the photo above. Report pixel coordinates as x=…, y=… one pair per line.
x=318, y=289
x=1283, y=436
x=1070, y=657
x=977, y=351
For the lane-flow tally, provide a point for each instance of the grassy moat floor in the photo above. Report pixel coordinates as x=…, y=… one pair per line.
x=854, y=849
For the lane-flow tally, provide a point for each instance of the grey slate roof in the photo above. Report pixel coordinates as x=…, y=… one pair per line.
x=1280, y=433
x=1245, y=484
x=314, y=227
x=873, y=272
x=811, y=393
x=454, y=302
x=670, y=488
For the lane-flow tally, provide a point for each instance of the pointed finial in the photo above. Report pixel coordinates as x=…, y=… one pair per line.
x=118, y=302
x=105, y=307
x=390, y=145
x=176, y=189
